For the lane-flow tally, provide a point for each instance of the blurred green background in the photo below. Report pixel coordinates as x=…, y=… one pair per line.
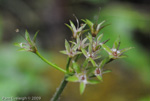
x=23, y=74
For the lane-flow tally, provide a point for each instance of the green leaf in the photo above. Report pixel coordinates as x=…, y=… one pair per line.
x=84, y=40
x=103, y=62
x=72, y=78
x=83, y=20
x=97, y=57
x=90, y=37
x=18, y=44
x=27, y=37
x=23, y=49
x=111, y=56
x=99, y=25
x=89, y=23
x=100, y=77
x=90, y=71
x=123, y=56
x=106, y=71
x=81, y=28
x=78, y=52
x=78, y=39
x=73, y=26
x=93, y=81
x=72, y=42
x=67, y=46
x=85, y=63
x=90, y=48
x=84, y=52
x=105, y=41
x=99, y=37
x=125, y=49
x=34, y=38
x=76, y=67
x=64, y=52
x=69, y=27
x=82, y=87
x=116, y=43
x=106, y=48
x=103, y=27
x=76, y=46
x=92, y=61
x=83, y=31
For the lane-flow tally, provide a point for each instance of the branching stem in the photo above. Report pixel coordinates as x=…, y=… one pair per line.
x=50, y=63
x=63, y=83
x=68, y=63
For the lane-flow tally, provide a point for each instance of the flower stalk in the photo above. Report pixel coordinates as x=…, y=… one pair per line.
x=68, y=63
x=63, y=83
x=50, y=63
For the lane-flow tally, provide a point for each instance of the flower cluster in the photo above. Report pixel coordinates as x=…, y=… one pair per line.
x=90, y=47
x=30, y=45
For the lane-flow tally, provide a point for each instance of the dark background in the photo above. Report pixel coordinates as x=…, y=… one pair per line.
x=22, y=74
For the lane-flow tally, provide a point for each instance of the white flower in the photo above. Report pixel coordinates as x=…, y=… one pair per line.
x=83, y=79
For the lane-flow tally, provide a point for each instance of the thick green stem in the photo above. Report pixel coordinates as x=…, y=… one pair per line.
x=48, y=62
x=59, y=90
x=68, y=63
x=62, y=85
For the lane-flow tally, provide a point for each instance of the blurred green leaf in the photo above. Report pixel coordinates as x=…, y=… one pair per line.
x=99, y=77
x=99, y=25
x=93, y=81
x=106, y=48
x=99, y=37
x=106, y=71
x=64, y=52
x=125, y=49
x=82, y=87
x=103, y=62
x=116, y=43
x=84, y=52
x=67, y=46
x=92, y=61
x=17, y=44
x=90, y=48
x=28, y=37
x=76, y=67
x=72, y=78
x=73, y=26
x=85, y=63
x=69, y=27
x=34, y=38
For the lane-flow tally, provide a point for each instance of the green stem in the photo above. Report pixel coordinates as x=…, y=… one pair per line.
x=63, y=83
x=78, y=56
x=60, y=90
x=48, y=62
x=68, y=63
